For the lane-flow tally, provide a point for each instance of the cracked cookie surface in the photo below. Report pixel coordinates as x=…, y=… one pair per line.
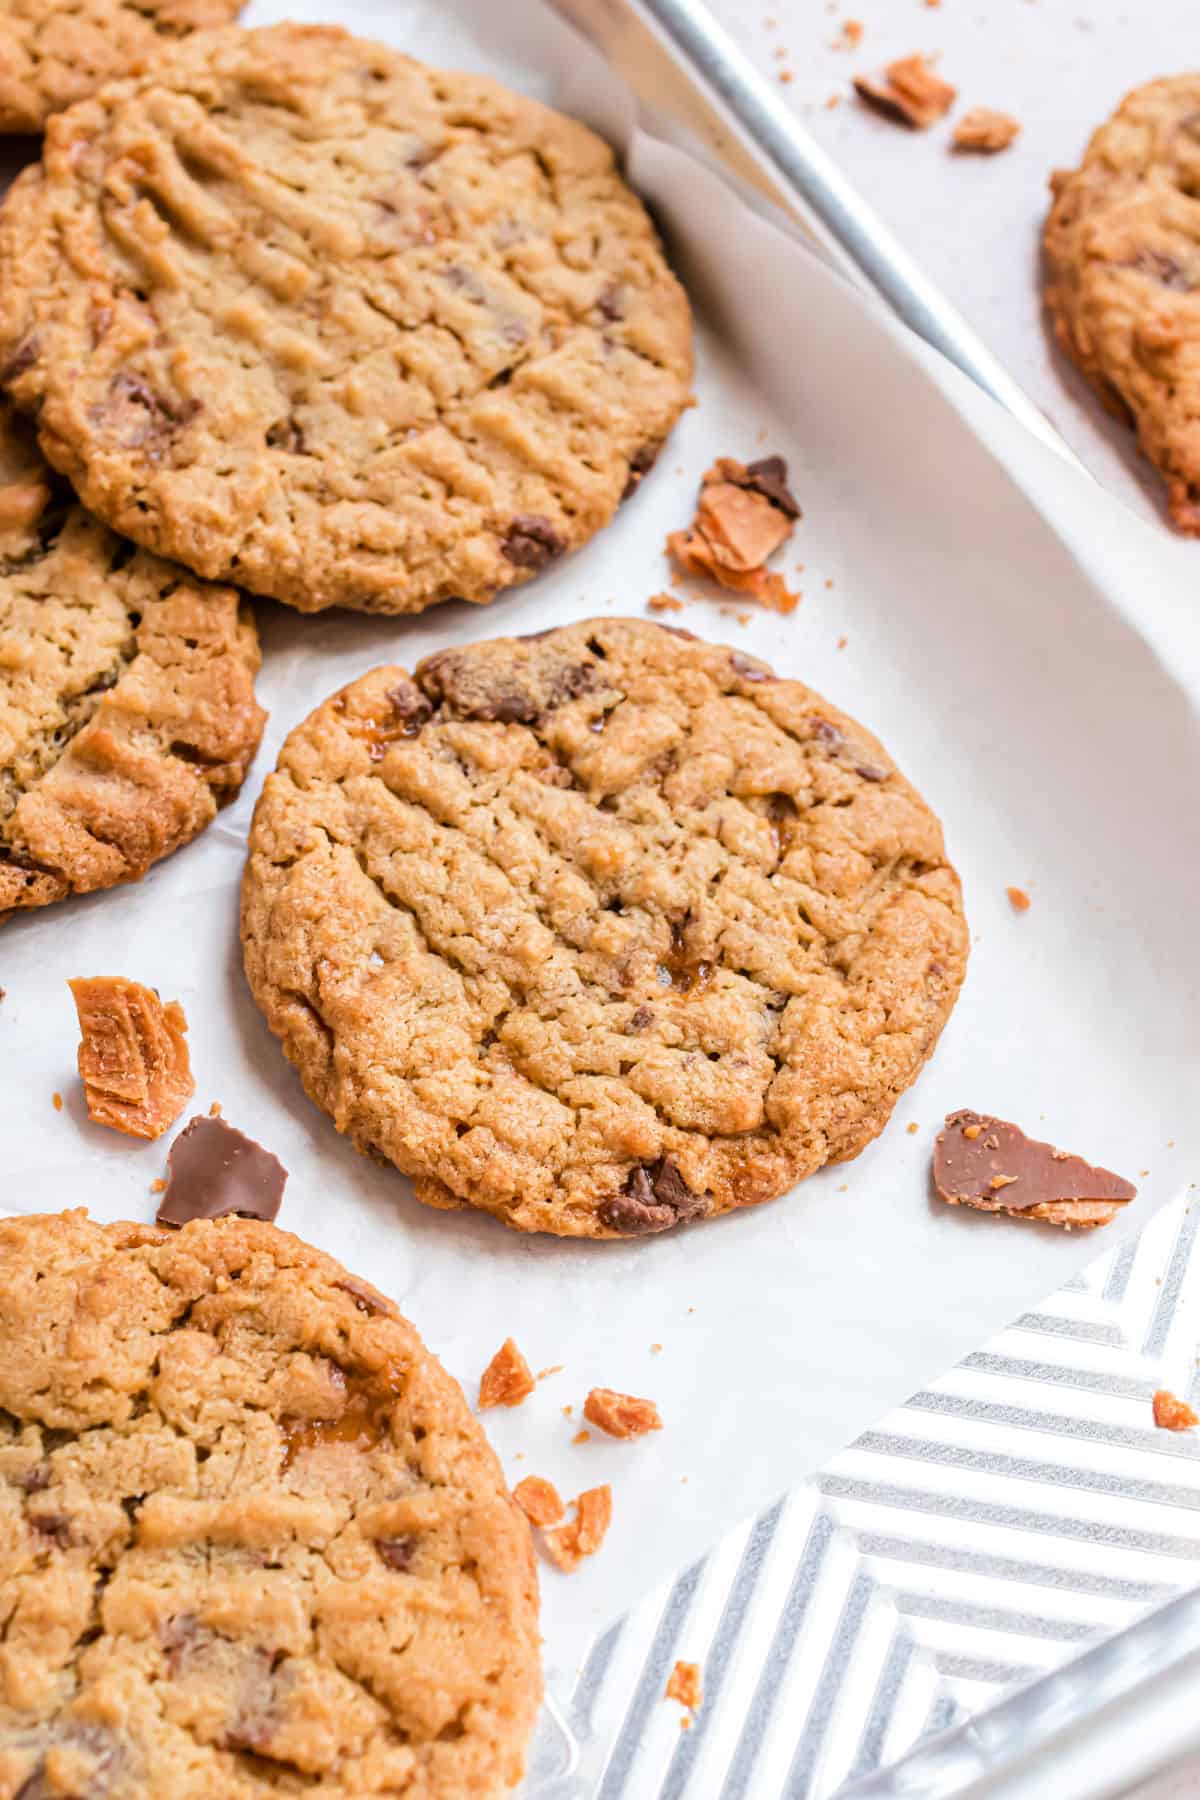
x=127, y=710
x=601, y=930
x=54, y=52
x=252, y=1540
x=304, y=314
x=1123, y=276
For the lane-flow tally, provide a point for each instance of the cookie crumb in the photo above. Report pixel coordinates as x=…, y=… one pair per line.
x=58, y=1102
x=913, y=1128
x=214, y=1109
x=1172, y=1414
x=984, y=131
x=833, y=101
x=539, y=1500
x=568, y=1411
x=910, y=92
x=507, y=1379
x=158, y=1186
x=785, y=75
x=744, y=514
x=133, y=1055
x=656, y=1349
x=545, y=1374
x=621, y=1415
x=851, y=38
x=684, y=1684
x=660, y=603
x=1018, y=899
x=567, y=1545
x=582, y=1437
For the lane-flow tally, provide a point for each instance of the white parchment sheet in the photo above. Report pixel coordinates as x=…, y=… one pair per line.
x=1021, y=646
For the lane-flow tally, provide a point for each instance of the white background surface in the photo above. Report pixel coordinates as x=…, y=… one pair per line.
x=973, y=222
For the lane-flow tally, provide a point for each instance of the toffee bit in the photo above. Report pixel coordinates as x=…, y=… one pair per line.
x=621, y=1415
x=1171, y=1413
x=1018, y=899
x=507, y=1380
x=984, y=131
x=684, y=1684
x=567, y=1545
x=539, y=1500
x=909, y=92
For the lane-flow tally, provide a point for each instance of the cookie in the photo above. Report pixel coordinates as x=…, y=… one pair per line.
x=1123, y=276
x=54, y=52
x=127, y=710
x=253, y=1541
x=304, y=314
x=598, y=931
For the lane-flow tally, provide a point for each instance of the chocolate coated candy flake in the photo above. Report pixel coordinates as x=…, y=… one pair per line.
x=991, y=1165
x=213, y=1171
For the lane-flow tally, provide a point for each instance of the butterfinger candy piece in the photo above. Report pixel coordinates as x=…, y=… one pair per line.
x=991, y=1165
x=984, y=131
x=133, y=1055
x=910, y=93
x=745, y=512
x=213, y=1171
x=507, y=1380
x=539, y=1500
x=567, y=1545
x=1171, y=1413
x=621, y=1415
x=684, y=1685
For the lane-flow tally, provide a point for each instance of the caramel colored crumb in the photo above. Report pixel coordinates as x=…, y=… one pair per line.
x=582, y=1437
x=984, y=131
x=833, y=101
x=785, y=75
x=545, y=1374
x=744, y=514
x=1171, y=1414
x=158, y=1186
x=913, y=1128
x=507, y=1379
x=656, y=1349
x=214, y=1111
x=660, y=603
x=621, y=1415
x=684, y=1685
x=133, y=1055
x=567, y=1545
x=910, y=92
x=539, y=1500
x=852, y=32
x=1019, y=899
x=58, y=1102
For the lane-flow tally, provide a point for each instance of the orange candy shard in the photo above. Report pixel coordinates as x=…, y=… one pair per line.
x=133, y=1055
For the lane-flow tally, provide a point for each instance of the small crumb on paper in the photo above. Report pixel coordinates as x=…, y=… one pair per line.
x=1172, y=1414
x=158, y=1186
x=851, y=38
x=545, y=1374
x=744, y=514
x=58, y=1102
x=539, y=1500
x=1018, y=899
x=567, y=1545
x=910, y=92
x=621, y=1415
x=984, y=131
x=684, y=1684
x=507, y=1380
x=913, y=1128
x=660, y=603
x=833, y=101
x=582, y=1437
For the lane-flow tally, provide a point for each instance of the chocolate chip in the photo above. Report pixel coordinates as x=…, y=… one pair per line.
x=653, y=1199
x=1164, y=269
x=285, y=434
x=768, y=477
x=869, y=772
x=980, y=1161
x=365, y=1297
x=396, y=1552
x=52, y=1525
x=137, y=415
x=409, y=705
x=827, y=733
x=23, y=358
x=178, y=1636
x=750, y=669
x=641, y=1018
x=36, y=1479
x=610, y=302
x=213, y=1171
x=640, y=464
x=507, y=695
x=531, y=541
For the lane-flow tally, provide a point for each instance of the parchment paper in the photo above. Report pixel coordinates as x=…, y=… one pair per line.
x=1024, y=649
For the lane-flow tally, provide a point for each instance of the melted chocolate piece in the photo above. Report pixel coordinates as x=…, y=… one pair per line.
x=640, y=464
x=749, y=669
x=653, y=1199
x=610, y=302
x=531, y=541
x=1163, y=269
x=24, y=358
x=213, y=1171
x=138, y=416
x=366, y=1298
x=768, y=477
x=468, y=688
x=980, y=1160
x=410, y=706
x=396, y=1552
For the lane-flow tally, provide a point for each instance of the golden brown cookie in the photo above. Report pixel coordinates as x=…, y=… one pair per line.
x=54, y=52
x=1123, y=276
x=127, y=710
x=306, y=315
x=600, y=930
x=252, y=1541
